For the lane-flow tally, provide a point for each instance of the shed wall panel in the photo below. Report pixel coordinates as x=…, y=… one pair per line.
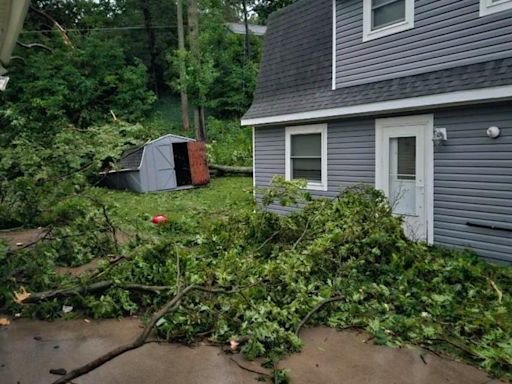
x=447, y=34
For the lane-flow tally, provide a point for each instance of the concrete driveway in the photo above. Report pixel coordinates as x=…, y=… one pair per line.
x=29, y=349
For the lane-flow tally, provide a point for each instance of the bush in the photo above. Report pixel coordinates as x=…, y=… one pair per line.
x=79, y=85
x=35, y=177
x=229, y=143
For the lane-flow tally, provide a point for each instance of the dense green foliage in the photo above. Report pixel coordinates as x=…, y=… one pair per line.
x=353, y=247
x=221, y=78
x=37, y=176
x=229, y=143
x=81, y=86
x=265, y=7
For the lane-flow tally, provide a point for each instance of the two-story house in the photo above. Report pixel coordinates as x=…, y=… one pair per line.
x=413, y=97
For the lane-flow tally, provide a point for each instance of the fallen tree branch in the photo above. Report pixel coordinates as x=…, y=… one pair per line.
x=249, y=369
x=40, y=238
x=104, y=210
x=223, y=169
x=94, y=287
x=315, y=309
x=301, y=236
x=141, y=339
x=266, y=241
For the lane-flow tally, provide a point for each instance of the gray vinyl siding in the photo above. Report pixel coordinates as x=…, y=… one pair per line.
x=472, y=173
x=446, y=34
x=350, y=156
x=473, y=181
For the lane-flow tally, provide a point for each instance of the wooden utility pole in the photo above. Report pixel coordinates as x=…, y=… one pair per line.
x=193, y=35
x=246, y=23
x=156, y=79
x=183, y=82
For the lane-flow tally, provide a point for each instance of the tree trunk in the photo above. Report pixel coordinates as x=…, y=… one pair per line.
x=181, y=46
x=193, y=35
x=223, y=169
x=154, y=69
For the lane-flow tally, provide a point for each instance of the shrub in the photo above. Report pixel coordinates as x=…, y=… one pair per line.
x=229, y=143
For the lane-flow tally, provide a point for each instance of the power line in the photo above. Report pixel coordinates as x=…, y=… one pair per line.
x=107, y=29
x=103, y=29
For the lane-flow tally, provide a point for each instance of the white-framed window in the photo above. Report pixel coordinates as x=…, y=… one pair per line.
x=385, y=17
x=488, y=7
x=306, y=155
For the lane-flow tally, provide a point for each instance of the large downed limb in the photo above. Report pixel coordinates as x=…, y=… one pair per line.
x=141, y=339
x=94, y=287
x=223, y=169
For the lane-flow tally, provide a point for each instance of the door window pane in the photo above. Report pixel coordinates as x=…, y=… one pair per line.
x=406, y=158
x=387, y=12
x=402, y=175
x=306, y=157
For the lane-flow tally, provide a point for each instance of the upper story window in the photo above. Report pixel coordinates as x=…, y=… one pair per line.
x=385, y=17
x=488, y=7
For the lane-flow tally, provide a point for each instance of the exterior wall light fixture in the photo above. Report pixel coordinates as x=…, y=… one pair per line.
x=440, y=135
x=494, y=132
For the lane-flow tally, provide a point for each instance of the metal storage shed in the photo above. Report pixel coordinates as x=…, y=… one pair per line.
x=168, y=163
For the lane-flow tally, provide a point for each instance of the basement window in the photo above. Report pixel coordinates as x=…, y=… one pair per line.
x=385, y=17
x=306, y=155
x=488, y=7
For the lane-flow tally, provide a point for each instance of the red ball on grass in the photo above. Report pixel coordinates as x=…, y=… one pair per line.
x=159, y=219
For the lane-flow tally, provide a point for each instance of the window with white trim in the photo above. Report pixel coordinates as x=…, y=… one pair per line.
x=306, y=155
x=488, y=7
x=385, y=17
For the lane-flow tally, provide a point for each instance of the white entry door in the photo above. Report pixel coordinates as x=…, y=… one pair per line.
x=404, y=162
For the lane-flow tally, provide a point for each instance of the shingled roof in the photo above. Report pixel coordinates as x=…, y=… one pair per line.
x=296, y=72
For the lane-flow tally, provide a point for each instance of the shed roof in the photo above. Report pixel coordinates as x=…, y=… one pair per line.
x=171, y=135
x=131, y=158
x=296, y=71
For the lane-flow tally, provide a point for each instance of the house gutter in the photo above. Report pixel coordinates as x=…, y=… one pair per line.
x=449, y=99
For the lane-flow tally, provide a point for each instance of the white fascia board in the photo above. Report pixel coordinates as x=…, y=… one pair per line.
x=413, y=103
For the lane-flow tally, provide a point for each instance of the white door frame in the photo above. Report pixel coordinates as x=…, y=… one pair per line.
x=381, y=178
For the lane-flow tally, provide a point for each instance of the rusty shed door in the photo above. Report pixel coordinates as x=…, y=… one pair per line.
x=198, y=163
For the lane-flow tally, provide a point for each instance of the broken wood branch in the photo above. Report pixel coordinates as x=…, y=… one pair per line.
x=94, y=287
x=314, y=310
x=263, y=374
x=59, y=27
x=170, y=306
x=45, y=235
x=108, y=221
x=301, y=236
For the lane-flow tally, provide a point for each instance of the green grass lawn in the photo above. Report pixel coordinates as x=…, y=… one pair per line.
x=192, y=208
